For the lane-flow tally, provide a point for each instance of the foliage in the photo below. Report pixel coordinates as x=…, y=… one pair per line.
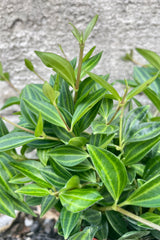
x=98, y=153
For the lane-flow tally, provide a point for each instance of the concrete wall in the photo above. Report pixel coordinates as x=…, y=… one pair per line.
x=28, y=25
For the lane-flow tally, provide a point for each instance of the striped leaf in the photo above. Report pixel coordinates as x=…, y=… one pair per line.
x=68, y=221
x=134, y=235
x=6, y=204
x=90, y=27
x=141, y=87
x=3, y=128
x=81, y=167
x=60, y=170
x=134, y=152
x=100, y=127
x=39, y=127
x=117, y=222
x=87, y=234
x=147, y=195
x=68, y=155
x=47, y=203
x=77, y=200
x=32, y=200
x=110, y=169
x=89, y=64
x=88, y=54
x=87, y=104
x=15, y=139
x=59, y=64
x=11, y=101
x=19, y=179
x=150, y=56
x=152, y=168
x=66, y=99
x=29, y=116
x=33, y=190
x=43, y=155
x=103, y=229
x=77, y=141
x=152, y=217
x=106, y=107
x=54, y=179
x=31, y=169
x=92, y=216
x=105, y=85
x=48, y=111
x=132, y=121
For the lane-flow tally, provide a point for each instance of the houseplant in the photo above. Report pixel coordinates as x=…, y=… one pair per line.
x=98, y=159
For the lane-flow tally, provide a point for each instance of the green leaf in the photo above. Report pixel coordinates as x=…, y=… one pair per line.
x=31, y=169
x=19, y=179
x=29, y=65
x=87, y=104
x=88, y=54
x=73, y=182
x=68, y=221
x=81, y=167
x=11, y=101
x=54, y=179
x=110, y=169
x=59, y=65
x=152, y=168
x=77, y=141
x=134, y=152
x=3, y=128
x=66, y=99
x=105, y=85
x=47, y=203
x=134, y=235
x=100, y=127
x=6, y=205
x=76, y=33
x=102, y=233
x=39, y=128
x=117, y=222
x=141, y=88
x=1, y=69
x=33, y=190
x=68, y=155
x=60, y=170
x=48, y=111
x=87, y=234
x=15, y=139
x=152, y=217
x=147, y=195
x=77, y=200
x=22, y=206
x=43, y=155
x=50, y=93
x=92, y=216
x=89, y=64
x=89, y=27
x=150, y=56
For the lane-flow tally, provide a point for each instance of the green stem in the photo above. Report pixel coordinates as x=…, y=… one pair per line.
x=28, y=130
x=137, y=218
x=38, y=76
x=11, y=84
x=60, y=114
x=79, y=70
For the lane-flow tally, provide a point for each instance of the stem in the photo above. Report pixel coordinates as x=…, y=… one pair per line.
x=38, y=76
x=137, y=218
x=120, y=129
x=79, y=70
x=28, y=130
x=60, y=114
x=11, y=84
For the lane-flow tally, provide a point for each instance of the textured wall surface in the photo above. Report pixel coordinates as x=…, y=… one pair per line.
x=28, y=25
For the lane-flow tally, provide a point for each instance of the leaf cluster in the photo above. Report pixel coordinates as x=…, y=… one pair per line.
x=97, y=153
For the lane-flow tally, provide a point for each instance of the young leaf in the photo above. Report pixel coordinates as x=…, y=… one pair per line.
x=73, y=182
x=87, y=104
x=105, y=85
x=1, y=69
x=15, y=139
x=59, y=65
x=50, y=93
x=33, y=190
x=68, y=155
x=110, y=169
x=76, y=33
x=150, y=56
x=147, y=195
x=77, y=200
x=90, y=27
x=88, y=54
x=39, y=128
x=68, y=221
x=29, y=65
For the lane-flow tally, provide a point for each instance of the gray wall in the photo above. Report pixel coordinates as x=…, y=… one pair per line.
x=28, y=25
